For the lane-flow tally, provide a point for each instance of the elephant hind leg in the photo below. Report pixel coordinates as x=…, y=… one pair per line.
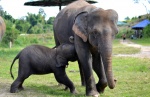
x=62, y=78
x=16, y=86
x=20, y=87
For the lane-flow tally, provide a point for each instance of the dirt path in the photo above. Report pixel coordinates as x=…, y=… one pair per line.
x=145, y=50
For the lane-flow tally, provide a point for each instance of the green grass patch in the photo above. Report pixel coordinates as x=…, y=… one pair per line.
x=132, y=76
x=142, y=41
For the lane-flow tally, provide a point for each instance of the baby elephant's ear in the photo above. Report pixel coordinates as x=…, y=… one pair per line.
x=61, y=61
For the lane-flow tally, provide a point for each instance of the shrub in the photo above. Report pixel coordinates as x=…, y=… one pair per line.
x=146, y=31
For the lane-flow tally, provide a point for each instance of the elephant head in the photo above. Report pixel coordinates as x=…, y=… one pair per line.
x=2, y=27
x=99, y=27
x=65, y=53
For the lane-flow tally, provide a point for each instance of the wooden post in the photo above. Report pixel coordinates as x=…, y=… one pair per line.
x=10, y=44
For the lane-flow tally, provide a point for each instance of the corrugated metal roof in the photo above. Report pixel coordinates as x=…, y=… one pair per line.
x=141, y=24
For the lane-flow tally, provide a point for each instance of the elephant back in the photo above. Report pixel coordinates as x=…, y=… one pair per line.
x=2, y=27
x=65, y=20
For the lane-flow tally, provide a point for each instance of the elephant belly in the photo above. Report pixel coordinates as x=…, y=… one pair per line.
x=41, y=69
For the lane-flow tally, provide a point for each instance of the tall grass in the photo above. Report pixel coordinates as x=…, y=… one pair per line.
x=29, y=39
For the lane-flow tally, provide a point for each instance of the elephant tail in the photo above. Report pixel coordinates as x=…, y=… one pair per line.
x=12, y=65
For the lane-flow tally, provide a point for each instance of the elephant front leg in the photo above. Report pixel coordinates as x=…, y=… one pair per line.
x=85, y=59
x=81, y=74
x=99, y=70
x=62, y=78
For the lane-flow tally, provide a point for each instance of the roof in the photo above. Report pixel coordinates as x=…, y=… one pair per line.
x=53, y=2
x=141, y=24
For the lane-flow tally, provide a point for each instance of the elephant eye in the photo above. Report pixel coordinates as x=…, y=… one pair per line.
x=95, y=34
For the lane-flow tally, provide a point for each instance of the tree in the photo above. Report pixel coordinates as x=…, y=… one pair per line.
x=42, y=12
x=127, y=18
x=31, y=18
x=34, y=20
x=50, y=20
x=22, y=25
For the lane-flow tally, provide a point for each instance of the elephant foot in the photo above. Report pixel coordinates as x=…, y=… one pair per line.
x=20, y=88
x=74, y=91
x=100, y=90
x=66, y=88
x=14, y=90
x=101, y=87
x=95, y=96
x=92, y=93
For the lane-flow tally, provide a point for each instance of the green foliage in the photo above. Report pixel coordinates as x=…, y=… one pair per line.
x=125, y=31
x=31, y=24
x=10, y=35
x=147, y=31
x=22, y=25
x=142, y=41
x=127, y=18
x=134, y=18
x=28, y=39
x=50, y=20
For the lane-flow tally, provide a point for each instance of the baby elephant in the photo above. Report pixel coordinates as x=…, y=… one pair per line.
x=37, y=59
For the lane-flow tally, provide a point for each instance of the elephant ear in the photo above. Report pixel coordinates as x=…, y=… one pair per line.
x=80, y=25
x=61, y=61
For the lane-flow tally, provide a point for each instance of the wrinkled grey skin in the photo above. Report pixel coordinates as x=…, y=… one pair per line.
x=94, y=30
x=36, y=59
x=2, y=27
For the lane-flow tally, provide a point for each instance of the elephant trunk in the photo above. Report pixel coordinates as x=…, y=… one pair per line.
x=106, y=54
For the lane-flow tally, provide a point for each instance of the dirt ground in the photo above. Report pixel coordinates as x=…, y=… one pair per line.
x=4, y=89
x=144, y=53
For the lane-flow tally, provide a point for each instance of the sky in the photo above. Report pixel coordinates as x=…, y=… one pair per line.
x=124, y=8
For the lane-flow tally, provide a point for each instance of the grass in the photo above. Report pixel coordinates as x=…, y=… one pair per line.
x=142, y=41
x=122, y=49
x=132, y=76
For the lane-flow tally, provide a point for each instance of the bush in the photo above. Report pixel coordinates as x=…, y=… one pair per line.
x=146, y=31
x=10, y=35
x=26, y=40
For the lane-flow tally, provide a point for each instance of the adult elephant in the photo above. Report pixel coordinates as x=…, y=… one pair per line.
x=93, y=30
x=2, y=27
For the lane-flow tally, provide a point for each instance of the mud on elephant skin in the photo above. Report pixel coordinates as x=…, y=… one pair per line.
x=2, y=27
x=37, y=59
x=94, y=30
